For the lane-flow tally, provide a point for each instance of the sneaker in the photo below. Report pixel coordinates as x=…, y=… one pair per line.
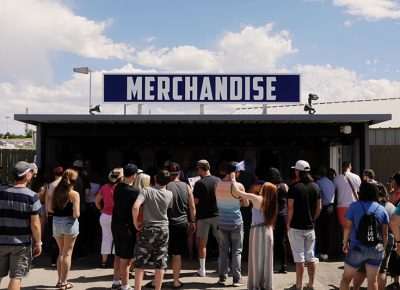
x=201, y=273
x=115, y=286
x=239, y=283
x=323, y=257
x=283, y=270
x=221, y=282
x=293, y=287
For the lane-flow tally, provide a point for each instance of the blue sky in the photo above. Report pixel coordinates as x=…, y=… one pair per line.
x=342, y=48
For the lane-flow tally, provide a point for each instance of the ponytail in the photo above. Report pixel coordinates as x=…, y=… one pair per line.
x=61, y=192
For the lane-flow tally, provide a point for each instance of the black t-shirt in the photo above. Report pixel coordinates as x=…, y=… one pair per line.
x=124, y=197
x=204, y=190
x=305, y=204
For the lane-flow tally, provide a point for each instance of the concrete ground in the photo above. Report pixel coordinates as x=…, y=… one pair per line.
x=85, y=275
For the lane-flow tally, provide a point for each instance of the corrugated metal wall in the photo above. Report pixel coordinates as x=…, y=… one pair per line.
x=8, y=157
x=384, y=136
x=385, y=160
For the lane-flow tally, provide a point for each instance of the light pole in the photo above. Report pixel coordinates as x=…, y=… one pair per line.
x=85, y=70
x=7, y=123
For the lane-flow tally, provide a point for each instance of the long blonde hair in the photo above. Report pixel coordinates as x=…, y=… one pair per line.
x=61, y=192
x=269, y=205
x=142, y=181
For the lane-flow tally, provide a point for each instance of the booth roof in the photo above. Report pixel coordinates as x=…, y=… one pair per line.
x=35, y=119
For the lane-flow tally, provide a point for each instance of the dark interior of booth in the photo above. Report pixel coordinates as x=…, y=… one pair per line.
x=149, y=145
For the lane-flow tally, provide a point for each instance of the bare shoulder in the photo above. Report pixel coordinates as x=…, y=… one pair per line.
x=73, y=195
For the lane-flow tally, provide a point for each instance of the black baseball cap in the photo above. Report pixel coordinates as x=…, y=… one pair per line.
x=174, y=168
x=130, y=169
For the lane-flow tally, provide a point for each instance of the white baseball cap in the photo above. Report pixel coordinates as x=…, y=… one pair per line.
x=302, y=165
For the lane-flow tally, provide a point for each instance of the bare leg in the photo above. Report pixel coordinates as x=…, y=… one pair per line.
x=104, y=258
x=176, y=268
x=15, y=284
x=124, y=271
x=60, y=244
x=117, y=268
x=358, y=280
x=66, y=255
x=202, y=244
x=382, y=280
x=348, y=275
x=138, y=278
x=159, y=275
x=372, y=277
x=299, y=275
x=311, y=273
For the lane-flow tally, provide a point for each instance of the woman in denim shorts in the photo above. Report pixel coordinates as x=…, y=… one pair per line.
x=64, y=204
x=358, y=253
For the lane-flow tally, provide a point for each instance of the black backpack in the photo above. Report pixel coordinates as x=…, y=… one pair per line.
x=369, y=232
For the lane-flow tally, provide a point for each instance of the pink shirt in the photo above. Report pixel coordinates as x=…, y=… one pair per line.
x=107, y=192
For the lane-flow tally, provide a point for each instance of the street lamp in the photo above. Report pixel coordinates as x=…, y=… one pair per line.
x=85, y=70
x=7, y=123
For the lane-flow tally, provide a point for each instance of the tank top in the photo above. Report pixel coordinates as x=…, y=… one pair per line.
x=66, y=211
x=282, y=200
x=257, y=216
x=228, y=206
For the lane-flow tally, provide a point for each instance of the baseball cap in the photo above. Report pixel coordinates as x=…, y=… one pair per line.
x=174, y=168
x=115, y=174
x=130, y=169
x=203, y=164
x=35, y=168
x=78, y=163
x=302, y=165
x=21, y=168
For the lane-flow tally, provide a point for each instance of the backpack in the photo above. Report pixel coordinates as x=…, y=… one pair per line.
x=369, y=232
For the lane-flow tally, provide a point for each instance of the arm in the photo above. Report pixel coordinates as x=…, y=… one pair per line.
x=97, y=201
x=385, y=233
x=257, y=200
x=318, y=209
x=192, y=212
x=135, y=214
x=75, y=199
x=36, y=235
x=46, y=203
x=395, y=228
x=243, y=201
x=346, y=235
x=290, y=203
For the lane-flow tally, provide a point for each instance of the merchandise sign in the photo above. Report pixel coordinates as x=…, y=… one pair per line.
x=191, y=88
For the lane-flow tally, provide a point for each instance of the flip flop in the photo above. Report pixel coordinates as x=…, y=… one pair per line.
x=66, y=286
x=177, y=287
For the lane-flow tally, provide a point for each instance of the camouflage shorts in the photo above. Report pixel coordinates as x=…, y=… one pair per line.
x=152, y=248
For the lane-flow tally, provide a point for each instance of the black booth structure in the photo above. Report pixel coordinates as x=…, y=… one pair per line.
x=273, y=140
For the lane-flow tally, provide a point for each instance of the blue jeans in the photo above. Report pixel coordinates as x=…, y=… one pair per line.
x=233, y=239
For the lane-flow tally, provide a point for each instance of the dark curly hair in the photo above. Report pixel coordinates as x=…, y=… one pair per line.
x=274, y=176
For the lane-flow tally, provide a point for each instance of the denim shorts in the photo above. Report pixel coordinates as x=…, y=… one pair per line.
x=65, y=226
x=359, y=255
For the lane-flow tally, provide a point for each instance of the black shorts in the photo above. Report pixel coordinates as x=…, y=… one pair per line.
x=177, y=239
x=124, y=239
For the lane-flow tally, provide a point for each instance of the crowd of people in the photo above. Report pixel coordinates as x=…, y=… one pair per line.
x=143, y=219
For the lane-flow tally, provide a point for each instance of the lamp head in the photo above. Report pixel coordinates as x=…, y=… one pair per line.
x=313, y=97
x=82, y=70
x=95, y=109
x=309, y=109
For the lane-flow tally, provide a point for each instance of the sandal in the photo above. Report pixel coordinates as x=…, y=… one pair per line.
x=66, y=286
x=58, y=285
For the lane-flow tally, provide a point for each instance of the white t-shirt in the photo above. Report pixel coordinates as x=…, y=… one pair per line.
x=344, y=192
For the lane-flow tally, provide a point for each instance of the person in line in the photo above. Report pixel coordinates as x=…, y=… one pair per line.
x=361, y=273
x=152, y=245
x=357, y=251
x=21, y=205
x=104, y=201
x=304, y=207
x=264, y=214
x=369, y=175
x=395, y=228
x=206, y=211
x=64, y=204
x=274, y=176
x=326, y=220
x=122, y=228
x=347, y=185
x=57, y=172
x=182, y=220
x=230, y=224
x=394, y=196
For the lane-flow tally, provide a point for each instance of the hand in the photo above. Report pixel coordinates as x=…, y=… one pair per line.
x=345, y=248
x=138, y=225
x=192, y=228
x=37, y=250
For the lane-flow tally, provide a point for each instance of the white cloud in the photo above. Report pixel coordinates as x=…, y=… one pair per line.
x=371, y=10
x=337, y=83
x=35, y=29
x=371, y=61
x=255, y=49
x=347, y=23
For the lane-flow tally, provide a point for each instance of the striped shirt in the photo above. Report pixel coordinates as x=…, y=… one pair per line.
x=17, y=204
x=228, y=206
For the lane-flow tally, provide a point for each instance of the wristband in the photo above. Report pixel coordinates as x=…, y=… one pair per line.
x=38, y=243
x=344, y=242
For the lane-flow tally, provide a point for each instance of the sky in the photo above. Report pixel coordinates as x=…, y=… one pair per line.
x=343, y=49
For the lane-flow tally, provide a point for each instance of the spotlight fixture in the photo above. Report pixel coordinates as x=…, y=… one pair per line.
x=95, y=109
x=308, y=107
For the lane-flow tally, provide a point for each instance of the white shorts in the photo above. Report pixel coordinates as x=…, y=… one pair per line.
x=302, y=243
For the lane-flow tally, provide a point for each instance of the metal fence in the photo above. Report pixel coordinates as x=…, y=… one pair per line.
x=385, y=160
x=8, y=157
